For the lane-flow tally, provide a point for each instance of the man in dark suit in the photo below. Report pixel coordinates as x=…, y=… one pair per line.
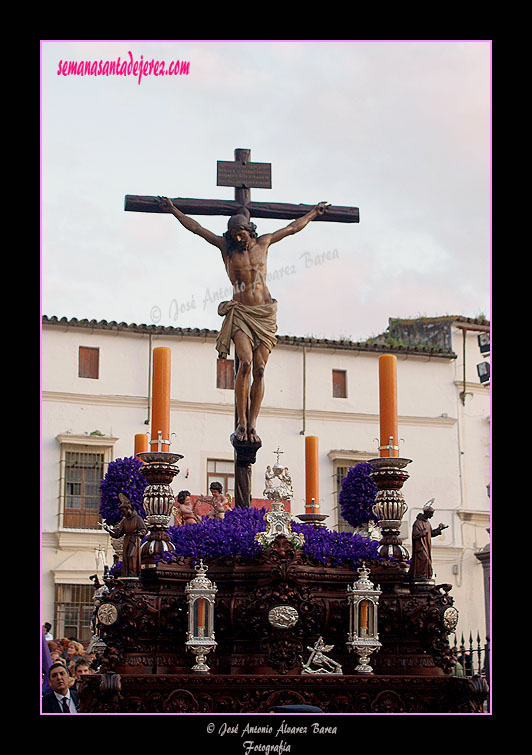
x=61, y=699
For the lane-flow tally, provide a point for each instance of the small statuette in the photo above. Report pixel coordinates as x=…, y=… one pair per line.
x=317, y=657
x=278, y=483
x=283, y=617
x=278, y=489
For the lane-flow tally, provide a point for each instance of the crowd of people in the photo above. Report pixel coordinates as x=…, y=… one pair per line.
x=65, y=661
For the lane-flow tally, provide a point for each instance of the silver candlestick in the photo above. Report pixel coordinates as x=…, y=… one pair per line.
x=159, y=469
x=389, y=475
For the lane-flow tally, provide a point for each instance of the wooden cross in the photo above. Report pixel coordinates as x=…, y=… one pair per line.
x=242, y=175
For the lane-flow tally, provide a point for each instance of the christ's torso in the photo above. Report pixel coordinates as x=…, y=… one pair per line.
x=247, y=272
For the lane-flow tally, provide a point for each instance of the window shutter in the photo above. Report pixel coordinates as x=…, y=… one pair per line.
x=225, y=374
x=89, y=362
x=339, y=384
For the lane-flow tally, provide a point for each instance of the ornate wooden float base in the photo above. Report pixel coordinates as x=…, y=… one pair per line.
x=257, y=664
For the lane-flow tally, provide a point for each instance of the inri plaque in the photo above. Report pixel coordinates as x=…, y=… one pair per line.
x=244, y=175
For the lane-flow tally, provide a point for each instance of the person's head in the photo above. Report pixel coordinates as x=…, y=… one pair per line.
x=240, y=231
x=46, y=626
x=58, y=678
x=74, y=648
x=182, y=496
x=216, y=488
x=81, y=667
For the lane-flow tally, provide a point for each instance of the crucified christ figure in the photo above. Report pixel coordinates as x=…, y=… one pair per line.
x=250, y=317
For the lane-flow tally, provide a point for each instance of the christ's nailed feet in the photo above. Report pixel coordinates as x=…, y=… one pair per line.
x=252, y=436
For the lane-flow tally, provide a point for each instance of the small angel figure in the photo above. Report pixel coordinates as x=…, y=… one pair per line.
x=317, y=656
x=186, y=508
x=287, y=483
x=268, y=477
x=217, y=500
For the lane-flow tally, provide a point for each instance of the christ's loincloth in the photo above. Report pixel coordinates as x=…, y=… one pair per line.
x=258, y=322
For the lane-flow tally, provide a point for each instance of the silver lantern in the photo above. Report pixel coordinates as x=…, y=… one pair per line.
x=363, y=637
x=200, y=593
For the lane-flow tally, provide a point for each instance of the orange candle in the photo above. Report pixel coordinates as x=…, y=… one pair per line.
x=200, y=606
x=363, y=629
x=160, y=408
x=141, y=443
x=311, y=475
x=388, y=405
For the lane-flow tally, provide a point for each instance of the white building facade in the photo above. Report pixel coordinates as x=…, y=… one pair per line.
x=96, y=398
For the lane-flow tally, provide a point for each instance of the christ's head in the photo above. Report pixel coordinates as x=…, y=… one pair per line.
x=240, y=231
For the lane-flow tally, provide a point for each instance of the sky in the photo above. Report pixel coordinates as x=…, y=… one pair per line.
x=399, y=129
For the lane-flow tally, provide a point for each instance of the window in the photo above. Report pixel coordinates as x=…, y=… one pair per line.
x=83, y=461
x=73, y=611
x=223, y=472
x=339, y=384
x=88, y=362
x=225, y=374
x=83, y=474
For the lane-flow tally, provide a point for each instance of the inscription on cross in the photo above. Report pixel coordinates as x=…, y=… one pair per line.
x=244, y=174
x=250, y=317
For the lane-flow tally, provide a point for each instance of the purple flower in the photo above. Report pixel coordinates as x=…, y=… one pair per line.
x=357, y=496
x=122, y=476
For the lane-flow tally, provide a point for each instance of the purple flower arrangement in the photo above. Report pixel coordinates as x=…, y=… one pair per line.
x=337, y=548
x=235, y=536
x=357, y=496
x=122, y=476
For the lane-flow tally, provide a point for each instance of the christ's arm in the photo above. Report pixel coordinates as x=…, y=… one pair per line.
x=299, y=224
x=190, y=224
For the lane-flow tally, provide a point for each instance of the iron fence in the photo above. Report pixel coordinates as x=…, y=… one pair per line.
x=472, y=656
x=473, y=662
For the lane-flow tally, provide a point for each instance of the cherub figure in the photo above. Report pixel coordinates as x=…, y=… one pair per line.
x=186, y=508
x=217, y=500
